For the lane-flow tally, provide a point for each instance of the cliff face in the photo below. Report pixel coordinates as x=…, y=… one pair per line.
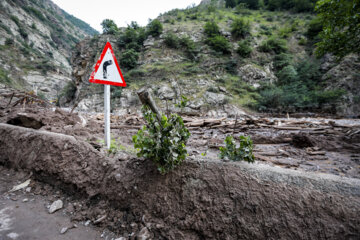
x=36, y=38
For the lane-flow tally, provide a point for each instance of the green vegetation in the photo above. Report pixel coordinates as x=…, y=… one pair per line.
x=22, y=30
x=162, y=141
x=9, y=41
x=109, y=27
x=68, y=91
x=242, y=153
x=129, y=58
x=219, y=44
x=6, y=28
x=35, y=12
x=154, y=28
x=4, y=77
x=211, y=29
x=273, y=45
x=184, y=43
x=240, y=28
x=341, y=27
x=79, y=23
x=299, y=87
x=293, y=5
x=244, y=49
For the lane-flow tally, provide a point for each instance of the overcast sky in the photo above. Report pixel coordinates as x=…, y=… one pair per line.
x=121, y=11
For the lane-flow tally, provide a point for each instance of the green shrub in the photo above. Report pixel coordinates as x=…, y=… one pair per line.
x=4, y=78
x=244, y=49
x=211, y=29
x=36, y=13
x=132, y=38
x=230, y=3
x=240, y=28
x=69, y=90
x=287, y=75
x=231, y=66
x=109, y=27
x=273, y=44
x=281, y=60
x=329, y=96
x=15, y=20
x=270, y=98
x=129, y=59
x=162, y=141
x=154, y=28
x=9, y=41
x=189, y=47
x=23, y=33
x=6, y=28
x=314, y=27
x=219, y=44
x=243, y=153
x=172, y=41
x=252, y=4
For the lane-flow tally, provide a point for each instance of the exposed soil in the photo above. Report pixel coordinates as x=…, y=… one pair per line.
x=24, y=213
x=205, y=198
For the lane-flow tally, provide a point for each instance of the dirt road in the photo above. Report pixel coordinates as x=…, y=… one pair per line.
x=24, y=215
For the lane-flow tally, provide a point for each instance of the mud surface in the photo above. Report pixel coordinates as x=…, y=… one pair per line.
x=24, y=213
x=199, y=200
x=205, y=198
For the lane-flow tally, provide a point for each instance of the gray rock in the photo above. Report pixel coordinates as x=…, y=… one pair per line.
x=149, y=42
x=254, y=74
x=346, y=76
x=214, y=98
x=166, y=92
x=63, y=230
x=58, y=204
x=144, y=234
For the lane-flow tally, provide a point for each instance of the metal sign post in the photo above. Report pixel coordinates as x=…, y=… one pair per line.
x=107, y=72
x=107, y=115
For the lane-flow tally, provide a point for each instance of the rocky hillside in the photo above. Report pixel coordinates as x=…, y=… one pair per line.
x=36, y=39
x=223, y=59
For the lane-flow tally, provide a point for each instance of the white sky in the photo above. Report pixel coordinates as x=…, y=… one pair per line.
x=121, y=11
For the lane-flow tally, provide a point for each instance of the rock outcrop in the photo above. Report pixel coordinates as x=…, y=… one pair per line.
x=346, y=75
x=36, y=38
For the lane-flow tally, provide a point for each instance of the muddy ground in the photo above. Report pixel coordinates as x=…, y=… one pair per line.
x=24, y=213
x=205, y=198
x=310, y=144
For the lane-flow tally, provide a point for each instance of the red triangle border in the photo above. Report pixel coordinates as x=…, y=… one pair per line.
x=92, y=76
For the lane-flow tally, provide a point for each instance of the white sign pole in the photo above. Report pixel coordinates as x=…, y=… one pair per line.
x=107, y=115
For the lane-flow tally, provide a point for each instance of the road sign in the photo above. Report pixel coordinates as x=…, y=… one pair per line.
x=107, y=70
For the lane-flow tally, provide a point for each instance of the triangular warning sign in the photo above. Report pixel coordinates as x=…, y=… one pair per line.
x=107, y=70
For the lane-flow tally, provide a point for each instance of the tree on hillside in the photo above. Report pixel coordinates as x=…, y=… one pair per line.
x=109, y=27
x=230, y=3
x=252, y=4
x=155, y=28
x=341, y=27
x=211, y=29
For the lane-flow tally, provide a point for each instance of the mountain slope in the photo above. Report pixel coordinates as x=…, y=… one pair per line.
x=36, y=38
x=265, y=63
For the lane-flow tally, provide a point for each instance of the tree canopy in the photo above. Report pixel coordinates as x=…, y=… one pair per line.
x=109, y=26
x=341, y=27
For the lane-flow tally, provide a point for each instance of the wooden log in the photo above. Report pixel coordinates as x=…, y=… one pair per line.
x=146, y=99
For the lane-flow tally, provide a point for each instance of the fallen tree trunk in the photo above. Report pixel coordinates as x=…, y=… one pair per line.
x=198, y=200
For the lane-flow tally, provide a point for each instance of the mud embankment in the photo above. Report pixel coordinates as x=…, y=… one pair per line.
x=199, y=200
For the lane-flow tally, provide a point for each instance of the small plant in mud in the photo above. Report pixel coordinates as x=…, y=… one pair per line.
x=243, y=153
x=183, y=102
x=162, y=140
